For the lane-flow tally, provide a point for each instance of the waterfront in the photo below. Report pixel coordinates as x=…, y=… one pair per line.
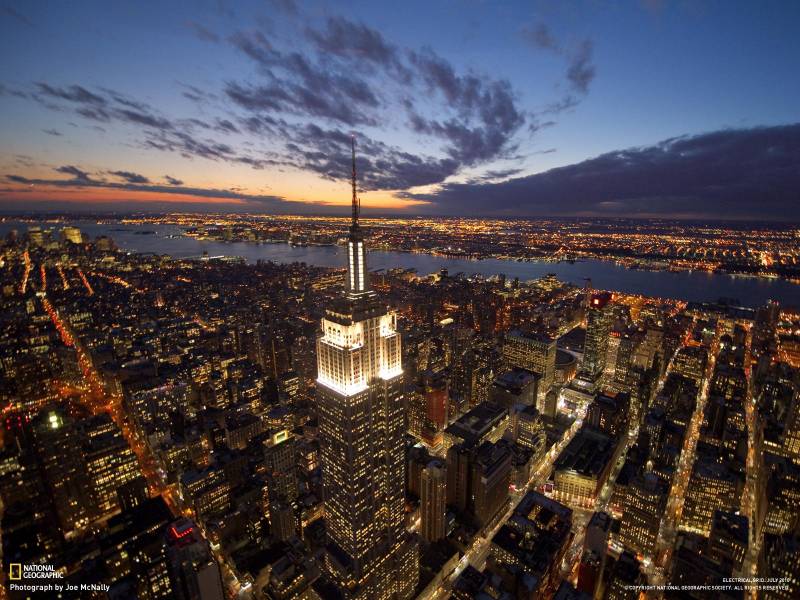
x=697, y=286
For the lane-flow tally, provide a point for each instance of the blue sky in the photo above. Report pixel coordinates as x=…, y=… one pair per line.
x=528, y=87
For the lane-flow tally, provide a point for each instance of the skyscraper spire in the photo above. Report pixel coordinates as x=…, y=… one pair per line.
x=356, y=201
x=357, y=277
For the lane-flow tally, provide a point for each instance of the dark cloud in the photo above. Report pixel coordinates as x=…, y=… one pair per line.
x=745, y=173
x=342, y=105
x=580, y=67
x=541, y=37
x=476, y=117
x=93, y=114
x=202, y=32
x=77, y=174
x=495, y=175
x=486, y=116
x=124, y=100
x=52, y=132
x=190, y=146
x=25, y=160
x=143, y=118
x=195, y=94
x=463, y=92
x=172, y=180
x=566, y=103
x=327, y=152
x=296, y=85
x=225, y=126
x=262, y=124
x=581, y=71
x=108, y=106
x=72, y=93
x=19, y=179
x=84, y=181
x=103, y=105
x=353, y=40
x=130, y=177
x=5, y=91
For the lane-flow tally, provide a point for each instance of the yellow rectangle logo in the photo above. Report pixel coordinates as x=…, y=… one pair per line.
x=15, y=571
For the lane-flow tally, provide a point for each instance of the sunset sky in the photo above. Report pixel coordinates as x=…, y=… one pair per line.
x=640, y=108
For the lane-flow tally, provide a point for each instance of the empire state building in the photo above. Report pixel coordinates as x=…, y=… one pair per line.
x=369, y=554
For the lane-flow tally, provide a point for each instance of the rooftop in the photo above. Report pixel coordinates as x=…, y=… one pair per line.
x=588, y=453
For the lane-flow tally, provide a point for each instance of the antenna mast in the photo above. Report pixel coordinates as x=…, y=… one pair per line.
x=356, y=200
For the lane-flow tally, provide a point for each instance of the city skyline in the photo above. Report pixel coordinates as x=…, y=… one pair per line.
x=202, y=428
x=511, y=110
x=452, y=300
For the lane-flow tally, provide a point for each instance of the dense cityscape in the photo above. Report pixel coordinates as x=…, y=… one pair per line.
x=187, y=429
x=358, y=300
x=767, y=250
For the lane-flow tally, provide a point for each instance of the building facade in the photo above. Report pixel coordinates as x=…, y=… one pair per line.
x=433, y=496
x=362, y=427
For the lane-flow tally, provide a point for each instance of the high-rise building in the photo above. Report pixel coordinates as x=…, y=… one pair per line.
x=206, y=491
x=583, y=467
x=478, y=478
x=458, y=475
x=598, y=330
x=194, y=572
x=691, y=361
x=643, y=508
x=593, y=559
x=281, y=462
x=282, y=521
x=628, y=341
x=437, y=399
x=625, y=579
x=693, y=565
x=782, y=492
x=58, y=448
x=527, y=429
x=489, y=481
x=649, y=349
x=517, y=386
x=288, y=388
x=534, y=541
x=72, y=234
x=712, y=486
x=781, y=562
x=433, y=390
x=433, y=496
x=110, y=462
x=362, y=427
x=728, y=539
x=609, y=414
x=534, y=352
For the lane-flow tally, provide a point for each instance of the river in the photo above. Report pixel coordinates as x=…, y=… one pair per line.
x=699, y=286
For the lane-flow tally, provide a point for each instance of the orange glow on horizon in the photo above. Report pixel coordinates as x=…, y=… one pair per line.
x=96, y=195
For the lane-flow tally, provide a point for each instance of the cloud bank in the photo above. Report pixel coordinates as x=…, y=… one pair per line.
x=731, y=173
x=339, y=77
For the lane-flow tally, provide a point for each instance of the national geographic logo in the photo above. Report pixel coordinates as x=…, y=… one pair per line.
x=18, y=572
